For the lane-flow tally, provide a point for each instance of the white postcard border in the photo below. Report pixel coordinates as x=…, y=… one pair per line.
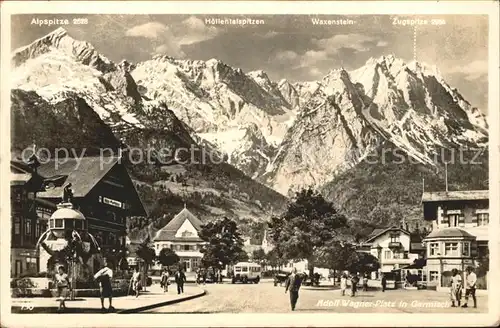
x=489, y=8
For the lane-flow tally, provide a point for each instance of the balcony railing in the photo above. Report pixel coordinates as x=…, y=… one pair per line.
x=395, y=244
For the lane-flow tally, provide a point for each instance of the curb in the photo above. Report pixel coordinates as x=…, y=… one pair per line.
x=152, y=306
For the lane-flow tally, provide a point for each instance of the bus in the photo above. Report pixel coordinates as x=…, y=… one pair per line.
x=246, y=272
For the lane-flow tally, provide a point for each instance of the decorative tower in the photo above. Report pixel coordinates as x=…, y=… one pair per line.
x=67, y=242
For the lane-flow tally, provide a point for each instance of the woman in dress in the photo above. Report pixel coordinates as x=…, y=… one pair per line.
x=343, y=283
x=164, y=280
x=62, y=283
x=136, y=281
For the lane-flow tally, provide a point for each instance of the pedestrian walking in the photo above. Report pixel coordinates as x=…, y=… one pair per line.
x=384, y=282
x=455, y=288
x=365, y=282
x=293, y=284
x=62, y=283
x=198, y=276
x=220, y=277
x=180, y=278
x=354, y=284
x=104, y=277
x=343, y=283
x=136, y=282
x=217, y=276
x=470, y=286
x=164, y=280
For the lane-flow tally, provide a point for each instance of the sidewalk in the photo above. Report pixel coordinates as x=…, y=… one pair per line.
x=153, y=297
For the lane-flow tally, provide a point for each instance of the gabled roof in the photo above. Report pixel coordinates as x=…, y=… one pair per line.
x=438, y=196
x=83, y=173
x=167, y=233
x=378, y=232
x=22, y=175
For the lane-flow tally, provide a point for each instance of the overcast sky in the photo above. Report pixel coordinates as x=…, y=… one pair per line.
x=287, y=46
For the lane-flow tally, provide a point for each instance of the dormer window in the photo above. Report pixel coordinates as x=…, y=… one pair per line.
x=483, y=219
x=453, y=220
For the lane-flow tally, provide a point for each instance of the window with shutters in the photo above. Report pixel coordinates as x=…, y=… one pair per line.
x=453, y=220
x=483, y=219
x=466, y=249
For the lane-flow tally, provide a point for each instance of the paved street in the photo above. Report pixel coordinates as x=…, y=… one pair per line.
x=266, y=298
x=153, y=296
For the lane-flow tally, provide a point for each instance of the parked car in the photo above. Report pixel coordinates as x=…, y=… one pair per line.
x=280, y=278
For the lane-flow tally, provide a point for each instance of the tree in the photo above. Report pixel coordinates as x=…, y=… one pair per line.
x=307, y=225
x=362, y=262
x=274, y=260
x=259, y=256
x=224, y=244
x=146, y=253
x=335, y=255
x=276, y=256
x=168, y=257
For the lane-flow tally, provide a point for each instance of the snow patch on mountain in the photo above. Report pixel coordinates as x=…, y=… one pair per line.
x=348, y=114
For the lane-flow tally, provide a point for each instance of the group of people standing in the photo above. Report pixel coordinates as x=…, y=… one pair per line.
x=457, y=287
x=179, y=278
x=203, y=274
x=354, y=279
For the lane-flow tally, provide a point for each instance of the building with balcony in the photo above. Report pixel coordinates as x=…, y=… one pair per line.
x=25, y=228
x=392, y=247
x=102, y=190
x=181, y=235
x=459, y=236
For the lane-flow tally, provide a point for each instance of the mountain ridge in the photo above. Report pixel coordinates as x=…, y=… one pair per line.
x=280, y=134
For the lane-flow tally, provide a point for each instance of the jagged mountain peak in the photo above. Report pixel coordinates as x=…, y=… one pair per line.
x=60, y=40
x=258, y=74
x=126, y=65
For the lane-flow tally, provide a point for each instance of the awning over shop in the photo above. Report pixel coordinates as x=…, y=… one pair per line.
x=417, y=264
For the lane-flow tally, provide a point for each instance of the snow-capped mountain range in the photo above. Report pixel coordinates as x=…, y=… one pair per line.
x=284, y=134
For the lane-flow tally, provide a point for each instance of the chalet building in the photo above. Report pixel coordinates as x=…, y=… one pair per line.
x=392, y=247
x=102, y=191
x=181, y=235
x=459, y=236
x=25, y=228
